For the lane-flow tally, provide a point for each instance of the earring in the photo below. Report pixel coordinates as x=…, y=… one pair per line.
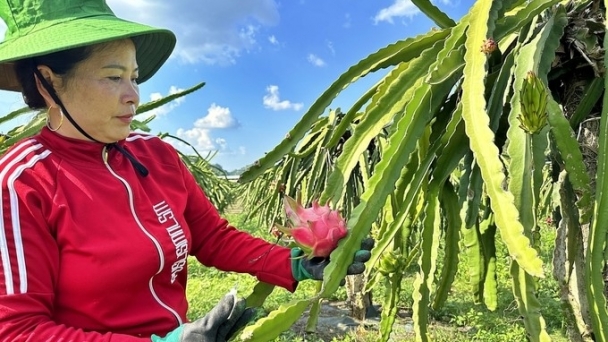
x=48, y=121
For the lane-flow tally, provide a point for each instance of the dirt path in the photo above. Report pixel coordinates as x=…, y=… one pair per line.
x=335, y=322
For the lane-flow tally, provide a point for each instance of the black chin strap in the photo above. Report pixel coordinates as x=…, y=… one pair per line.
x=55, y=98
x=136, y=164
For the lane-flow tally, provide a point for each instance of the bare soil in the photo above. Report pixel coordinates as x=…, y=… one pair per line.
x=335, y=324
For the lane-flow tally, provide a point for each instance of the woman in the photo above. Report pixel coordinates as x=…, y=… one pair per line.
x=97, y=221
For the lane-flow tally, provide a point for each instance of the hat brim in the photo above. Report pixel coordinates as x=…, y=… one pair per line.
x=153, y=45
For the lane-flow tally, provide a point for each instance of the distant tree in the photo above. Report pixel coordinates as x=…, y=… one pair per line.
x=238, y=172
x=218, y=170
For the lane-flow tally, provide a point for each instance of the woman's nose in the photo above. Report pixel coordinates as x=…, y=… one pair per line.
x=131, y=94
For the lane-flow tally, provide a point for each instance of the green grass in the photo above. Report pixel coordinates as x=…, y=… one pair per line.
x=459, y=320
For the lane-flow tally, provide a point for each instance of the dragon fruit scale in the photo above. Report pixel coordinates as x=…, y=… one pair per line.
x=316, y=230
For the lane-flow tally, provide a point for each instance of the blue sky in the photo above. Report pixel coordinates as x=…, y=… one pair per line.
x=264, y=63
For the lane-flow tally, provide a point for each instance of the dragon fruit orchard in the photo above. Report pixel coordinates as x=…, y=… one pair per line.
x=316, y=230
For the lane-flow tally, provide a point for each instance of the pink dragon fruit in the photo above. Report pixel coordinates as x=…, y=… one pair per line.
x=315, y=230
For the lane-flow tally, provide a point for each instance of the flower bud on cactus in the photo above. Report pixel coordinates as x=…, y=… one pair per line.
x=533, y=99
x=391, y=262
x=489, y=46
x=315, y=230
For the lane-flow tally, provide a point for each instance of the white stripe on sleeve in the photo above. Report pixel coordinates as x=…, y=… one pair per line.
x=17, y=222
x=6, y=262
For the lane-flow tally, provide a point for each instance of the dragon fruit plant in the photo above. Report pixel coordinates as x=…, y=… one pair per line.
x=315, y=230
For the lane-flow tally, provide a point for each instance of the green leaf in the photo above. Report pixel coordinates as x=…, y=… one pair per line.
x=137, y=125
x=391, y=55
x=350, y=116
x=436, y=15
x=388, y=102
x=523, y=15
x=148, y=106
x=279, y=320
x=595, y=260
x=389, y=305
x=455, y=146
x=526, y=154
x=571, y=154
x=314, y=312
x=451, y=56
x=411, y=177
x=487, y=229
x=427, y=262
x=449, y=203
x=591, y=96
x=260, y=292
x=470, y=195
x=450, y=148
x=14, y=114
x=402, y=142
x=446, y=66
x=500, y=89
x=486, y=152
x=24, y=131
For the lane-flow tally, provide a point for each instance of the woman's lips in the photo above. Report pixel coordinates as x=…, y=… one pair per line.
x=125, y=118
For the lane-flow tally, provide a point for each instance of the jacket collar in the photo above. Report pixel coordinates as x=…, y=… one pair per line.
x=77, y=151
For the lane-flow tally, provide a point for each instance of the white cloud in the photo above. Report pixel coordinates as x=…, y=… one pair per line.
x=165, y=109
x=248, y=33
x=273, y=40
x=217, y=117
x=272, y=100
x=315, y=60
x=211, y=31
x=202, y=140
x=347, y=21
x=330, y=46
x=401, y=8
x=221, y=143
x=404, y=8
x=200, y=135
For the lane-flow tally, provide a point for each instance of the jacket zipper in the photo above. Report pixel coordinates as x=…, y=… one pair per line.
x=159, y=250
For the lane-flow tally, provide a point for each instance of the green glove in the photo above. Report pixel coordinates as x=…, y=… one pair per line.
x=303, y=268
x=226, y=318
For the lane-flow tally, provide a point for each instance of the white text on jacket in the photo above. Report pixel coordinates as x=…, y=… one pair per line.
x=165, y=215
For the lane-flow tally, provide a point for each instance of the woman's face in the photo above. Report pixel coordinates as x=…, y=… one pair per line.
x=101, y=93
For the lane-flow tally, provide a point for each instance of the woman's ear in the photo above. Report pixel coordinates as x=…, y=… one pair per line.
x=51, y=79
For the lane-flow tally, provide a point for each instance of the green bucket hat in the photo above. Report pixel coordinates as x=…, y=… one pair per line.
x=40, y=27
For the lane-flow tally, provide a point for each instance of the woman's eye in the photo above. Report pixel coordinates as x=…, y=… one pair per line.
x=114, y=78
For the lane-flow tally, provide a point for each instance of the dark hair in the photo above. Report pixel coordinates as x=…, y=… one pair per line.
x=61, y=63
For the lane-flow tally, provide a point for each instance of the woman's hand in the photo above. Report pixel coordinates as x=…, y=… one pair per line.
x=304, y=268
x=225, y=319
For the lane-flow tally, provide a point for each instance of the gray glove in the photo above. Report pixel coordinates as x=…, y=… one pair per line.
x=226, y=318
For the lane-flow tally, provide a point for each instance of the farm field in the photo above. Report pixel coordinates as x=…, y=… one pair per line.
x=459, y=320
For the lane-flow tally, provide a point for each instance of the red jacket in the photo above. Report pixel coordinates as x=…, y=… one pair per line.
x=92, y=252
